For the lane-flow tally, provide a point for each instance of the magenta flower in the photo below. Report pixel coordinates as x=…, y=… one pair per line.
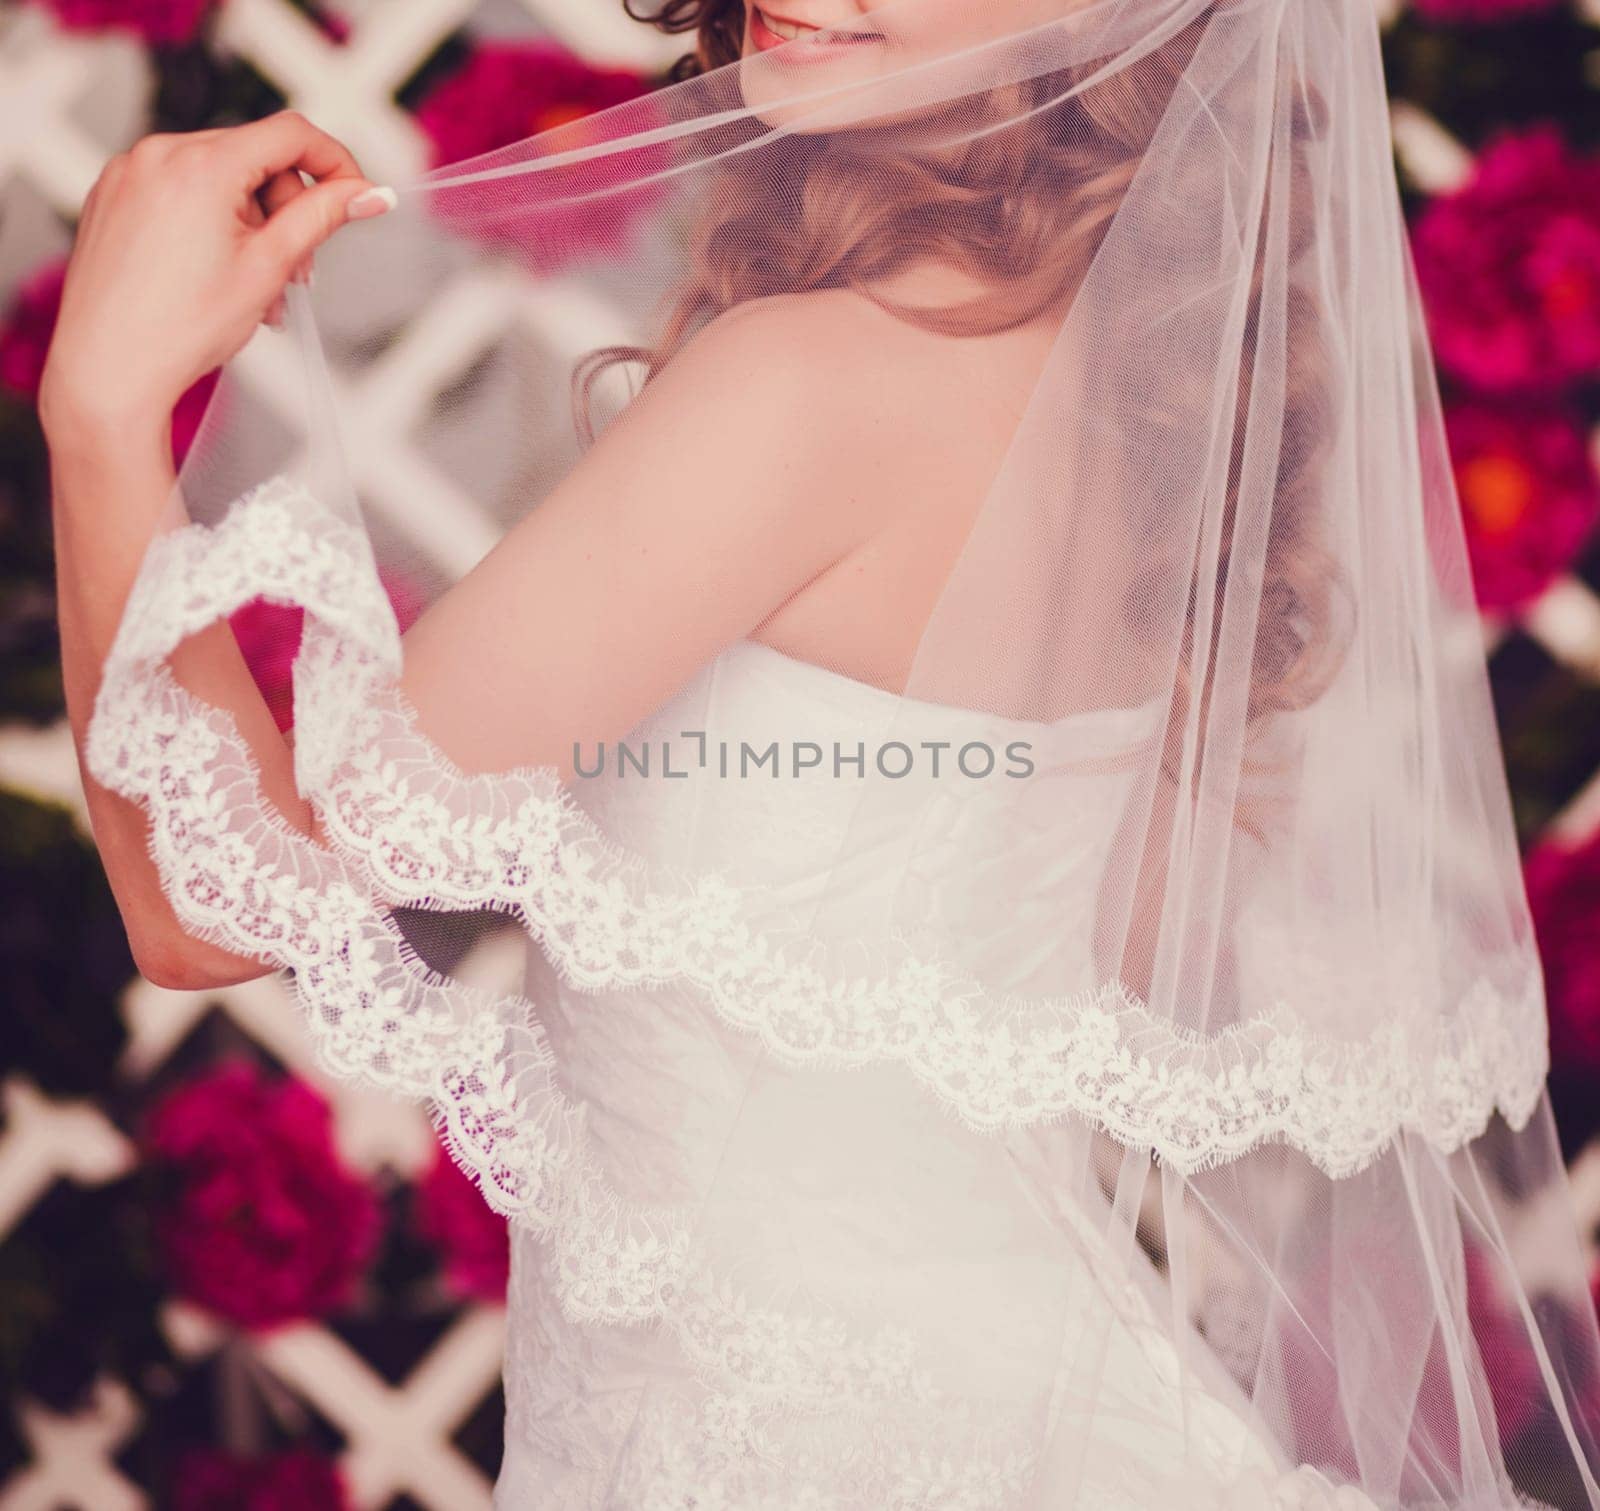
x=1481, y=12
x=1564, y=894
x=261, y=1222
x=509, y=91
x=25, y=335
x=30, y=321
x=471, y=1238
x=269, y=639
x=1509, y=267
x=211, y=1480
x=158, y=22
x=1530, y=498
x=1504, y=1344
x=506, y=91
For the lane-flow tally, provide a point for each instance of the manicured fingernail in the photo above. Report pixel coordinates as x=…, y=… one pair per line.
x=371, y=202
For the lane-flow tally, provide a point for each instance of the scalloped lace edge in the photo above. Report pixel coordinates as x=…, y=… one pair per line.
x=426, y=834
x=242, y=878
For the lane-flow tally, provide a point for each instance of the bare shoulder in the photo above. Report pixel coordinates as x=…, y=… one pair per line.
x=832, y=348
x=876, y=379
x=792, y=405
x=826, y=331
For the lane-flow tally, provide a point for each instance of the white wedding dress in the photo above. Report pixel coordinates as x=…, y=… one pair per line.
x=1132, y=1135
x=780, y=1364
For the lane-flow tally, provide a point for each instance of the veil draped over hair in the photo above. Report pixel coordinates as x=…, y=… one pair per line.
x=1146, y=1107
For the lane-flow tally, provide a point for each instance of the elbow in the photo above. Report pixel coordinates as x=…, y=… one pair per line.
x=178, y=962
x=170, y=972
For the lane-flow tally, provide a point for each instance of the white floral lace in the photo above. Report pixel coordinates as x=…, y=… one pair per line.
x=722, y=1457
x=407, y=822
x=430, y=834
x=407, y=827
x=795, y=1412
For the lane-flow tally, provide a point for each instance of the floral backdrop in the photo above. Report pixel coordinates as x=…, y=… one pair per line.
x=227, y=1283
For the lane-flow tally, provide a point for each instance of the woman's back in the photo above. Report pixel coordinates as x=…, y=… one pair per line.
x=940, y=412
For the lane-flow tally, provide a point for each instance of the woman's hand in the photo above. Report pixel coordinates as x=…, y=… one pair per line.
x=184, y=246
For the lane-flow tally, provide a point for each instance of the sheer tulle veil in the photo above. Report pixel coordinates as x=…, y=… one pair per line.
x=1192, y=1000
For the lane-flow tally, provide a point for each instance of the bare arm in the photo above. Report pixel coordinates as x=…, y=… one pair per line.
x=108, y=488
x=175, y=216
x=589, y=614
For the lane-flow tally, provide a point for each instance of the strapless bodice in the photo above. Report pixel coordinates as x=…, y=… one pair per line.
x=867, y=812
x=839, y=1216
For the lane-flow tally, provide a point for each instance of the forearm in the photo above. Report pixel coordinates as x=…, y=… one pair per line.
x=110, y=486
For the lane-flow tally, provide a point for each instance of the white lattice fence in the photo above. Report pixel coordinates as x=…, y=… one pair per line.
x=60, y=118
x=397, y=1435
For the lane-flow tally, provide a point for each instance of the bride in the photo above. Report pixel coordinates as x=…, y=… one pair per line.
x=975, y=699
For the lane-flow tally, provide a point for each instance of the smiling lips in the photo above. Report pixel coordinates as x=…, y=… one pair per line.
x=768, y=31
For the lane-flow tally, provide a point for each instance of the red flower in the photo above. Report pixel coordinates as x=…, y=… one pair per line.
x=1564, y=894
x=210, y=1480
x=1509, y=267
x=269, y=638
x=29, y=324
x=506, y=91
x=471, y=1238
x=1477, y=12
x=509, y=91
x=30, y=321
x=263, y=1225
x=158, y=22
x=1504, y=1345
x=1530, y=498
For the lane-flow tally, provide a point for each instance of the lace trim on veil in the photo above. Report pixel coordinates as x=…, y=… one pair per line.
x=409, y=824
x=406, y=824
x=487, y=1073
x=407, y=827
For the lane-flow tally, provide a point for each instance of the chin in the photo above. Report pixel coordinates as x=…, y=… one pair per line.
x=788, y=97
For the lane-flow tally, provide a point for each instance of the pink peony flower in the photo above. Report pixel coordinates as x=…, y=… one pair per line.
x=1530, y=498
x=506, y=91
x=30, y=321
x=470, y=1237
x=1509, y=267
x=1564, y=894
x=1504, y=1344
x=509, y=91
x=211, y=1480
x=25, y=335
x=1481, y=12
x=263, y=1224
x=157, y=22
x=269, y=639
x=188, y=412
